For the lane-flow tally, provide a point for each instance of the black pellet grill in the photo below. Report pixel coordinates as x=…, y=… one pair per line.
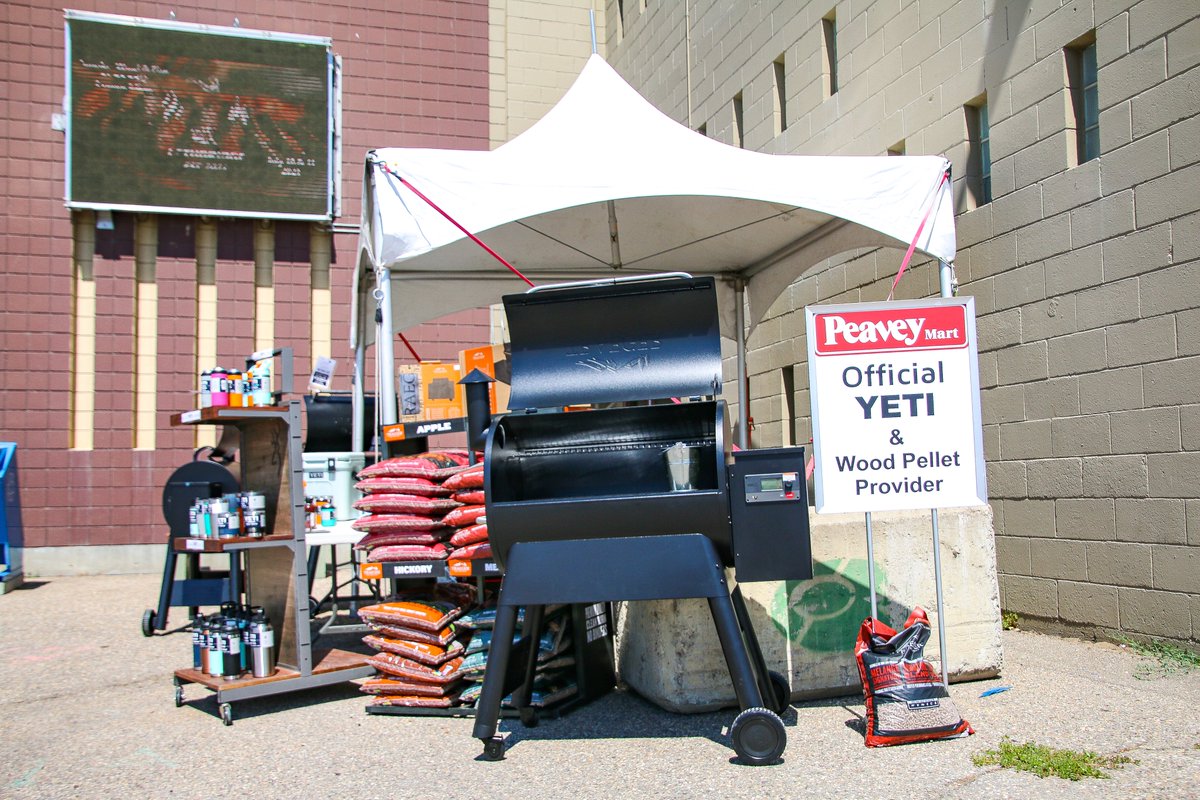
x=581, y=507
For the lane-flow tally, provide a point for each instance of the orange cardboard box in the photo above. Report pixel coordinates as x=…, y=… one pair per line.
x=490, y=360
x=441, y=392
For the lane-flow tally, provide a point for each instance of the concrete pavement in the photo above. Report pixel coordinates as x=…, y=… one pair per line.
x=86, y=710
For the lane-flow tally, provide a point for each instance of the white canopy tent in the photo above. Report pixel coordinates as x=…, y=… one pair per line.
x=605, y=185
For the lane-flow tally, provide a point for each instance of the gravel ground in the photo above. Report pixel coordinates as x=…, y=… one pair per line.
x=86, y=710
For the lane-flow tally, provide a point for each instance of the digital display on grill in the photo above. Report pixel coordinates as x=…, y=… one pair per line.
x=170, y=117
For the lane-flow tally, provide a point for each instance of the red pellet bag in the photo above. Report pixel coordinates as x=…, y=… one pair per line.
x=427, y=465
x=422, y=652
x=388, y=503
x=472, y=551
x=391, y=686
x=465, y=516
x=396, y=523
x=387, y=538
x=407, y=669
x=475, y=497
x=421, y=486
x=415, y=701
x=465, y=536
x=428, y=615
x=906, y=701
x=408, y=552
x=443, y=638
x=469, y=478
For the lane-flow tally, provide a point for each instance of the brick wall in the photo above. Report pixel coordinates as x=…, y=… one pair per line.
x=1085, y=277
x=415, y=74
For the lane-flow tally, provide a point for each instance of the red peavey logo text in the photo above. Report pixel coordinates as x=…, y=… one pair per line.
x=884, y=330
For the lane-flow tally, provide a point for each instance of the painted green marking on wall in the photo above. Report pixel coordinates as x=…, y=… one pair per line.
x=823, y=614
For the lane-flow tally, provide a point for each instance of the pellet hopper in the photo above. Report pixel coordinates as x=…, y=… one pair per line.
x=639, y=496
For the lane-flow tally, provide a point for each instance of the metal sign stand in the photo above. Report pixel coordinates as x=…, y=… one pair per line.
x=947, y=285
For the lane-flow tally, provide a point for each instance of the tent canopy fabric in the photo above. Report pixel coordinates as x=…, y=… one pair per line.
x=606, y=185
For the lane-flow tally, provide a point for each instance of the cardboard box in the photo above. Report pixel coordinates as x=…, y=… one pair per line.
x=490, y=360
x=408, y=392
x=441, y=392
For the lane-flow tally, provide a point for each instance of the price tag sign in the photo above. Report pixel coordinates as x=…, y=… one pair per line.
x=194, y=544
x=895, y=405
x=322, y=374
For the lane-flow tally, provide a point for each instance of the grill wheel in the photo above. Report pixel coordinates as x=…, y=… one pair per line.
x=758, y=736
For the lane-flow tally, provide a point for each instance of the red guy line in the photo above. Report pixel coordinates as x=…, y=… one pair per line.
x=454, y=222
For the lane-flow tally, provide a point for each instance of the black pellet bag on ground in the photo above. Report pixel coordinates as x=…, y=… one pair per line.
x=906, y=701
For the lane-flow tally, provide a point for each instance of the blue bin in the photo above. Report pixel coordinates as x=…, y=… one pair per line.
x=12, y=532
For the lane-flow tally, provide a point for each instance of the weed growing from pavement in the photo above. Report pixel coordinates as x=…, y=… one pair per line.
x=1165, y=658
x=1008, y=620
x=1044, y=761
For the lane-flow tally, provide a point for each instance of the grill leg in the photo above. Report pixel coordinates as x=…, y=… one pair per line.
x=168, y=588
x=487, y=708
x=733, y=645
x=752, y=646
x=532, y=630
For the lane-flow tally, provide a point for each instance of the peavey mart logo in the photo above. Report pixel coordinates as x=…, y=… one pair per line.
x=891, y=330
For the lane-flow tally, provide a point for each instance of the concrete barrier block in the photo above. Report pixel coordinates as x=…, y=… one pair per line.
x=668, y=650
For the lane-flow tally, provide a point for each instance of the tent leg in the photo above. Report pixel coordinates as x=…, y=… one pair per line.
x=739, y=293
x=947, y=285
x=383, y=348
x=357, y=401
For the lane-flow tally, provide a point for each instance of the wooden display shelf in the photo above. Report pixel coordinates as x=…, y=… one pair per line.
x=327, y=661
x=197, y=545
x=219, y=413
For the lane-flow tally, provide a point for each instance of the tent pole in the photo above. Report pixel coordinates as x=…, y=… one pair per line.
x=384, y=342
x=946, y=282
x=358, y=428
x=739, y=293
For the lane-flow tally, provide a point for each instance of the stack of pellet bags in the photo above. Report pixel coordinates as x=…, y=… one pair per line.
x=432, y=642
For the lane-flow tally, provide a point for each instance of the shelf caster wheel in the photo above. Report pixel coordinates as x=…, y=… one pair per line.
x=782, y=692
x=529, y=717
x=758, y=736
x=178, y=696
x=493, y=749
x=226, y=714
x=148, y=622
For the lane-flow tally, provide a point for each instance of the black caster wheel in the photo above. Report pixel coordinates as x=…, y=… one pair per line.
x=493, y=748
x=758, y=736
x=529, y=717
x=782, y=692
x=226, y=714
x=148, y=622
x=178, y=696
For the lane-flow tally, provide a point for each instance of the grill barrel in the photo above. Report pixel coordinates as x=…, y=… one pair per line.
x=603, y=473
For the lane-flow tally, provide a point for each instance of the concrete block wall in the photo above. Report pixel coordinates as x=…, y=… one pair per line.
x=536, y=48
x=1085, y=276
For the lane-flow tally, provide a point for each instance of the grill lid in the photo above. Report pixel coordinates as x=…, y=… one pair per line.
x=619, y=340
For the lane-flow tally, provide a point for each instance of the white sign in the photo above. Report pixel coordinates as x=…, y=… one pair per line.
x=322, y=374
x=895, y=405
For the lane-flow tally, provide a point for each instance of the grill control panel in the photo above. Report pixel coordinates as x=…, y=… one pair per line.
x=773, y=487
